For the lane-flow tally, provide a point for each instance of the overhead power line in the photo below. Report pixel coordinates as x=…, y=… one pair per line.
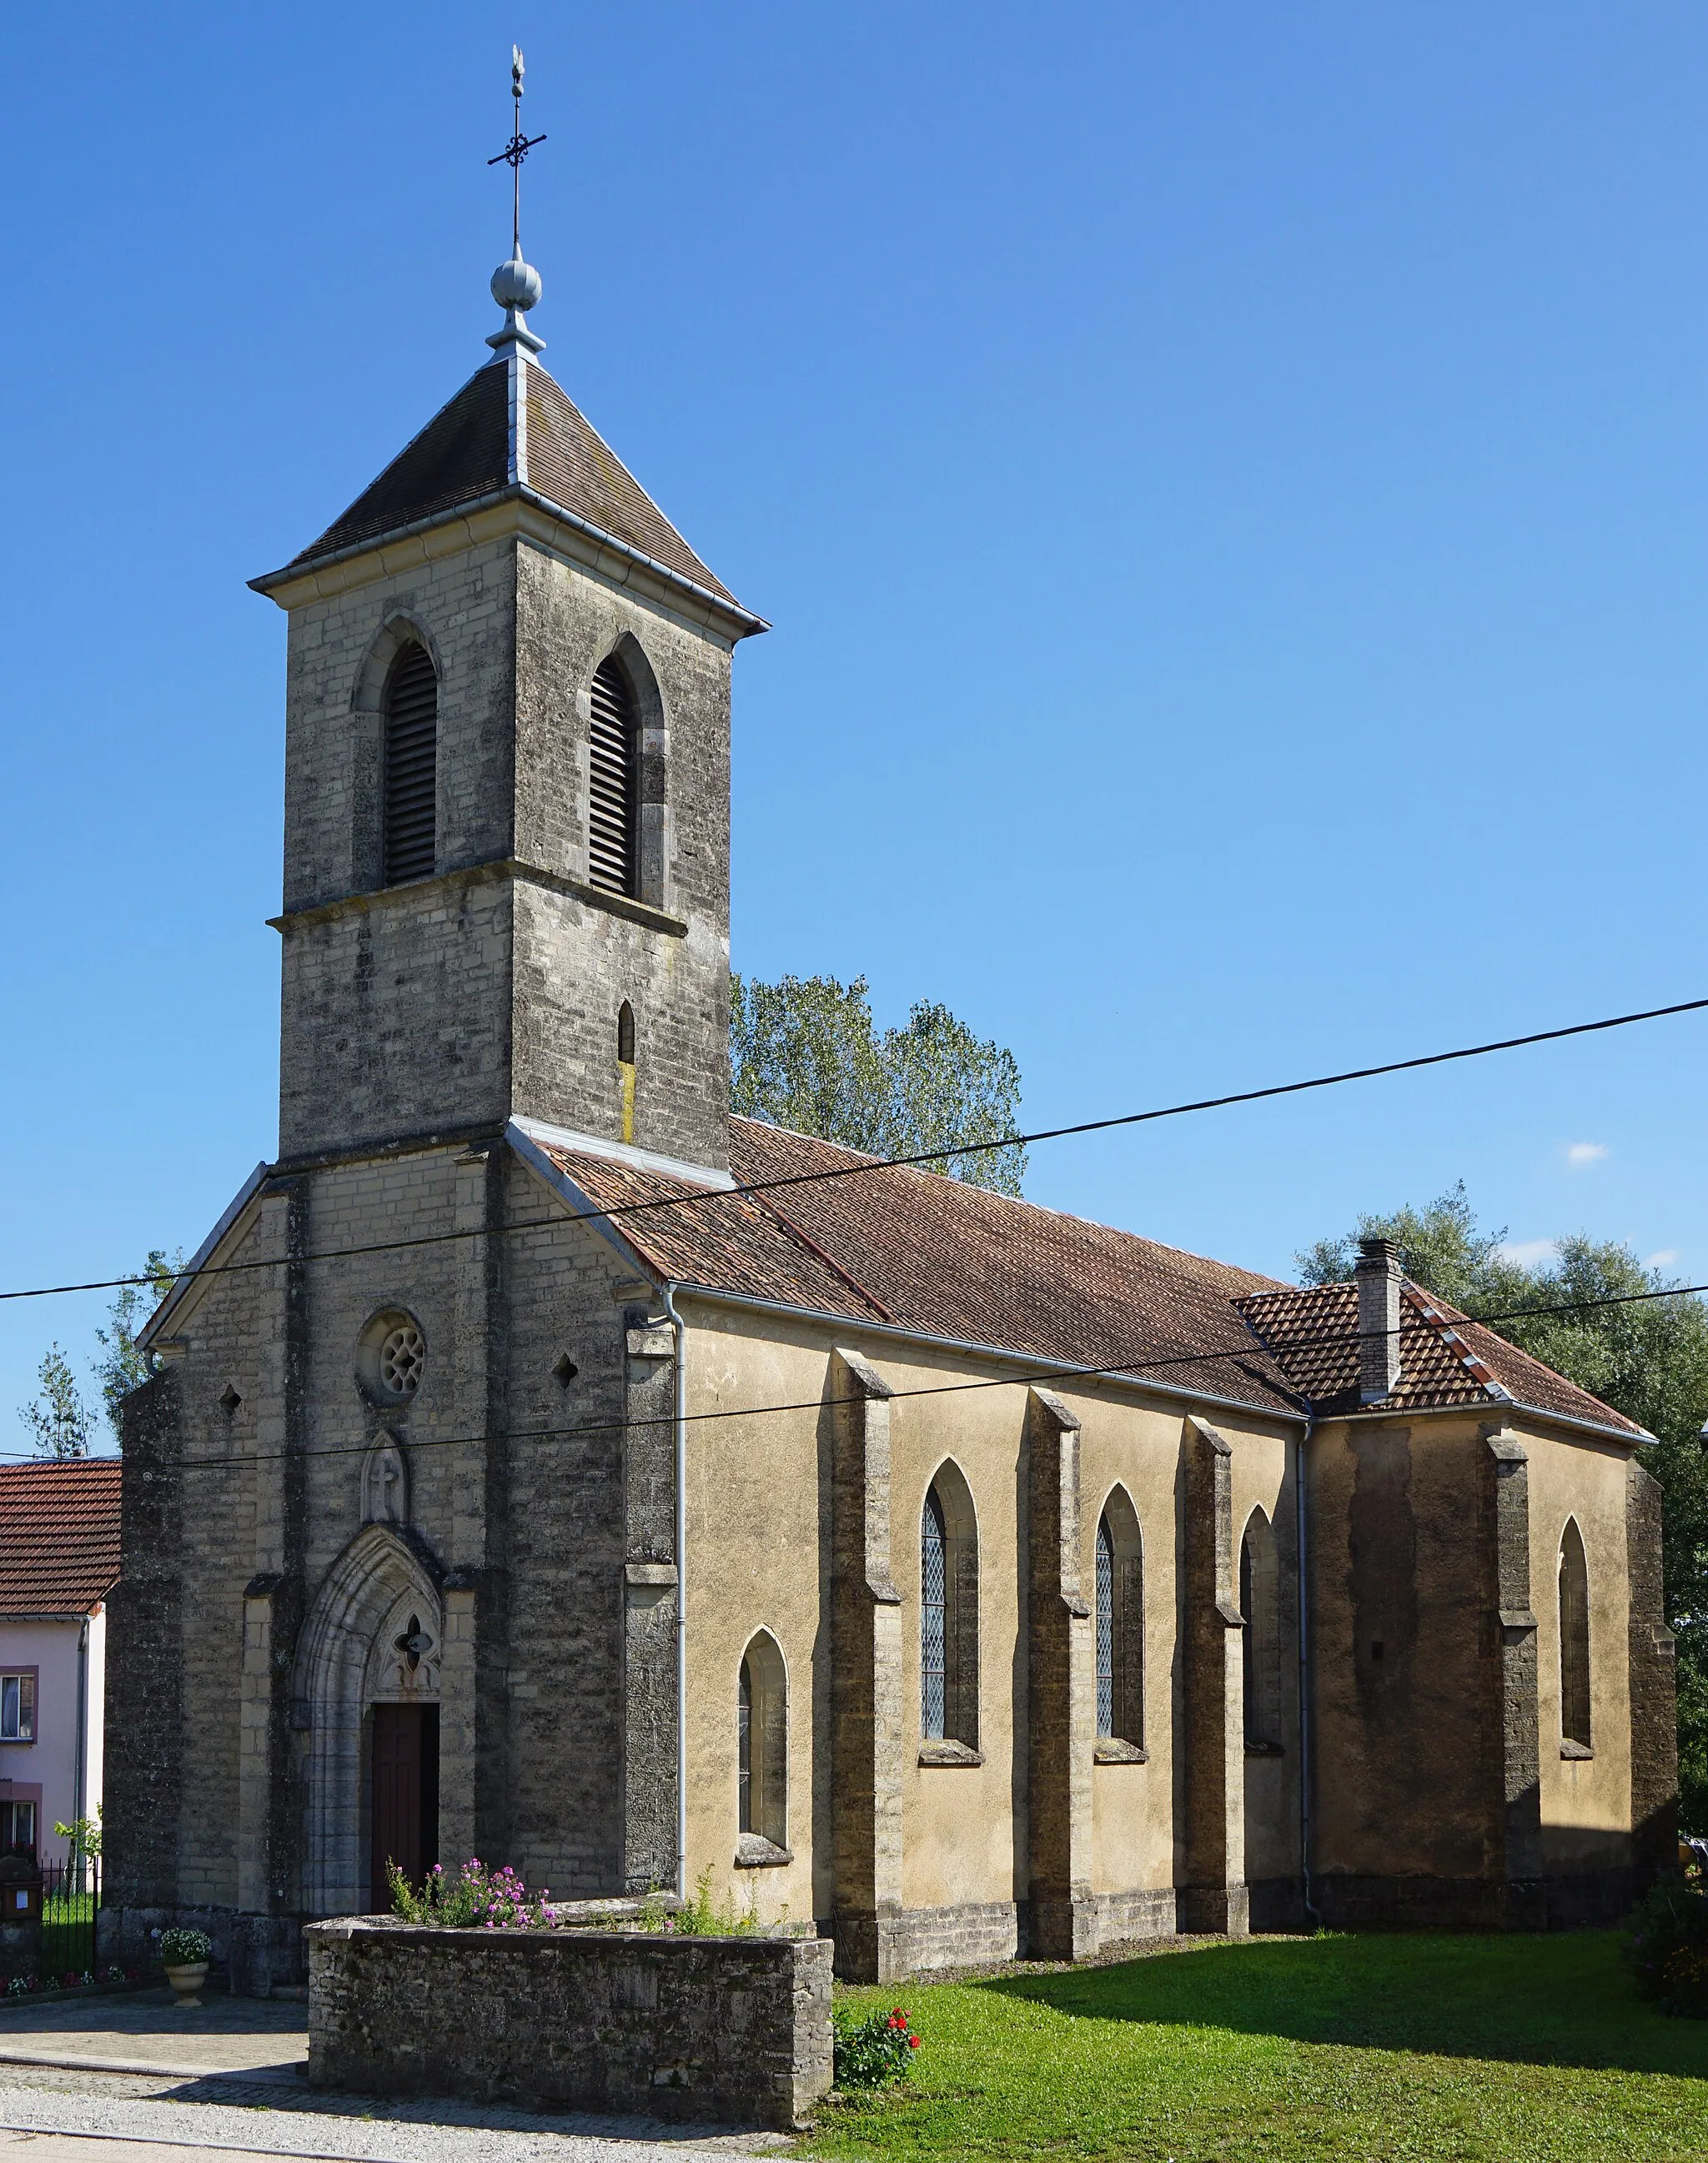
x=1137, y=1367
x=866, y=1167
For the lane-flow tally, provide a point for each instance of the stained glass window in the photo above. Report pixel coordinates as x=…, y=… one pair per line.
x=934, y=1609
x=1106, y=1630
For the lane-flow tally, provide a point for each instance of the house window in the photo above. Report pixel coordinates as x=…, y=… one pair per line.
x=761, y=1744
x=613, y=824
x=948, y=1613
x=1574, y=1638
x=412, y=766
x=1260, y=1600
x=18, y=1707
x=1120, y=1623
x=17, y=1828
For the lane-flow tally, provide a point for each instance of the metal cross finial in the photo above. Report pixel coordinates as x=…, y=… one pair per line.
x=516, y=149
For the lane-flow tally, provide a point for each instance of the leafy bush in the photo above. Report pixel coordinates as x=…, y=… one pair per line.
x=873, y=2052
x=184, y=1948
x=1666, y=1947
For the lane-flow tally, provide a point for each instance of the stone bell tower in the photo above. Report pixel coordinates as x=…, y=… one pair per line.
x=506, y=825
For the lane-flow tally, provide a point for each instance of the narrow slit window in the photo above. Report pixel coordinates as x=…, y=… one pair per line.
x=1259, y=1604
x=934, y=1613
x=948, y=1613
x=1120, y=1625
x=1574, y=1638
x=613, y=852
x=626, y=1034
x=762, y=1749
x=412, y=766
x=1106, y=1630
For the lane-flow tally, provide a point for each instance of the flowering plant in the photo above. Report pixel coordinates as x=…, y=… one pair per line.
x=20, y=1984
x=184, y=1948
x=476, y=1899
x=872, y=2052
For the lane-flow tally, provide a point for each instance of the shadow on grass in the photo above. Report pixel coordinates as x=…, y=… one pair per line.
x=1561, y=2000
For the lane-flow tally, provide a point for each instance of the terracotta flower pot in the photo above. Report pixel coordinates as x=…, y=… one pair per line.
x=187, y=1981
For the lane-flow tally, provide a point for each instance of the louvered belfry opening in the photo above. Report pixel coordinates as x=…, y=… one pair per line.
x=613, y=819
x=412, y=766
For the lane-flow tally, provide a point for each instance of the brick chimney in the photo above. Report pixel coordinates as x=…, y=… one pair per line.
x=1378, y=1278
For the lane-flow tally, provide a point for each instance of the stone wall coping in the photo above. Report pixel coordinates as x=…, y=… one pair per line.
x=345, y=1928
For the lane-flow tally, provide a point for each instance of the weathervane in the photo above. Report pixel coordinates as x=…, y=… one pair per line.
x=515, y=285
x=516, y=148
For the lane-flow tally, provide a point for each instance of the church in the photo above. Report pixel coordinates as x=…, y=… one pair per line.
x=542, y=1464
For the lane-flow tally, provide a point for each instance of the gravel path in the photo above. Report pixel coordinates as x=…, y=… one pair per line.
x=350, y=2130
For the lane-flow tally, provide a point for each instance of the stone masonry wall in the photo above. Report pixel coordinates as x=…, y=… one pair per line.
x=442, y=1005
x=736, y=2029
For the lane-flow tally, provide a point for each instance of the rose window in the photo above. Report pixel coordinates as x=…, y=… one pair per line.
x=400, y=1360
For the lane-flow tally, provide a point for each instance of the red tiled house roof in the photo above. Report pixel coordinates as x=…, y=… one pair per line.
x=949, y=1261
x=59, y=1536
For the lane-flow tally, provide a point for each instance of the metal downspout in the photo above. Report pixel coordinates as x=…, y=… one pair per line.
x=676, y=1323
x=79, y=1778
x=1300, y=1447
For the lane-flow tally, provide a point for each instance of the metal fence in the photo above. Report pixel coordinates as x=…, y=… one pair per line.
x=71, y=1894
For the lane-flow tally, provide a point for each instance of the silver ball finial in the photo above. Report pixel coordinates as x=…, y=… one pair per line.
x=516, y=285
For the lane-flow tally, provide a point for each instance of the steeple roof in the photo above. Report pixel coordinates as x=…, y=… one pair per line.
x=511, y=432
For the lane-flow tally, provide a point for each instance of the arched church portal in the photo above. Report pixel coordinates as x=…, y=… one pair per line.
x=368, y=1675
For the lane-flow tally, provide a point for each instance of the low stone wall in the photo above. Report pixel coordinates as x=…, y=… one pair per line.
x=735, y=2029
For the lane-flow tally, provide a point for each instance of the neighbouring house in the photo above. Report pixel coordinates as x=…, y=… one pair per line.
x=545, y=1465
x=59, y=1560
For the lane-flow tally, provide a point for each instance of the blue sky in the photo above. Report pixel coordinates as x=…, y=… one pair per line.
x=1229, y=484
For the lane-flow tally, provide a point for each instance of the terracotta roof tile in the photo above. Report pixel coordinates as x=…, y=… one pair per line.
x=59, y=1536
x=956, y=1262
x=1444, y=1357
x=948, y=1260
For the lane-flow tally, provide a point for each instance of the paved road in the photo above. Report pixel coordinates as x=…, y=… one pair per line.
x=133, y=2079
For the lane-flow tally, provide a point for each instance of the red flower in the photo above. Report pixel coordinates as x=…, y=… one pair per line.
x=913, y=2042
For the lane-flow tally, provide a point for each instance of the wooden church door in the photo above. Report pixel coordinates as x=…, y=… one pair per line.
x=405, y=1797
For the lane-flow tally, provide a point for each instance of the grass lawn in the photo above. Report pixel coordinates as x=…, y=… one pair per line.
x=1506, y=2048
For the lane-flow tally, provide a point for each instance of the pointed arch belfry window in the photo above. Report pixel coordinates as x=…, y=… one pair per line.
x=1574, y=1638
x=412, y=766
x=614, y=775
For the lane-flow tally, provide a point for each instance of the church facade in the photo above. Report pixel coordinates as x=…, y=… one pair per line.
x=542, y=1464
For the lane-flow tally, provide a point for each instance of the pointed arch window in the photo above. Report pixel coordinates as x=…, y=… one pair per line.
x=1574, y=1640
x=1260, y=1603
x=949, y=1613
x=1120, y=1625
x=613, y=822
x=761, y=1750
x=412, y=766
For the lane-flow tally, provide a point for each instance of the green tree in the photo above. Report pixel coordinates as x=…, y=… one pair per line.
x=120, y=1366
x=805, y=1054
x=1648, y=1358
x=57, y=1415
